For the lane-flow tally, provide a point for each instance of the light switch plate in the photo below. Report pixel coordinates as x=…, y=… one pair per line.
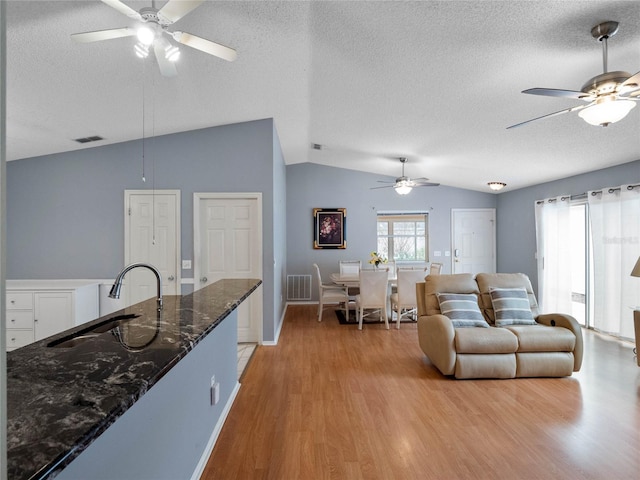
x=437, y=253
x=186, y=264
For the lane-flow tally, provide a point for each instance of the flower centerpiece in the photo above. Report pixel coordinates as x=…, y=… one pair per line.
x=376, y=259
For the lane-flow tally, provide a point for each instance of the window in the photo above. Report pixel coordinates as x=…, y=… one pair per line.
x=403, y=237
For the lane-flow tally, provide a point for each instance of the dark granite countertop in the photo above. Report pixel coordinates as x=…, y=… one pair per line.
x=60, y=399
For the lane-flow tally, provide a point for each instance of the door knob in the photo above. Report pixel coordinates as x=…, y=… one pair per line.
x=171, y=278
x=204, y=279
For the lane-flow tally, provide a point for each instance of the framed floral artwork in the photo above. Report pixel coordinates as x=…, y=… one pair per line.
x=329, y=228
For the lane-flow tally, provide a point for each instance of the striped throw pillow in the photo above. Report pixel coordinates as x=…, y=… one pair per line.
x=462, y=309
x=511, y=306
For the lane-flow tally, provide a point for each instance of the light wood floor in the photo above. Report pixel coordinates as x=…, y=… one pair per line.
x=332, y=402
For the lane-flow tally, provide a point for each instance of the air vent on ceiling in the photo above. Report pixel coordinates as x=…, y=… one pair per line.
x=88, y=139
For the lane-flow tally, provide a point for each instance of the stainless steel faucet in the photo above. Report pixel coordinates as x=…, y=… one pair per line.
x=117, y=285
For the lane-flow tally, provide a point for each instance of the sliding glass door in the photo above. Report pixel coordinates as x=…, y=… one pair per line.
x=586, y=248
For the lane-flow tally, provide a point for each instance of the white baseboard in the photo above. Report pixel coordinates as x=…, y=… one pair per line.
x=214, y=435
x=275, y=340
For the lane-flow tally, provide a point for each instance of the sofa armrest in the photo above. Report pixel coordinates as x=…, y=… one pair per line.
x=566, y=321
x=421, y=303
x=436, y=336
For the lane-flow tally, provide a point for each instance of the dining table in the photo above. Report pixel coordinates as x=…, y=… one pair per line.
x=352, y=281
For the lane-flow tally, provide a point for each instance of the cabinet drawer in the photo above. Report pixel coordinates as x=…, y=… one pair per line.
x=19, y=319
x=17, y=300
x=18, y=338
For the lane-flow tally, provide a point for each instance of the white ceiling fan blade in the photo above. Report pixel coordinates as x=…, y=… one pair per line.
x=98, y=35
x=572, y=109
x=554, y=92
x=630, y=86
x=174, y=10
x=206, y=46
x=385, y=186
x=122, y=8
x=427, y=184
x=167, y=68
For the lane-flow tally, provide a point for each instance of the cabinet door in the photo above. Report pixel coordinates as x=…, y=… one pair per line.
x=53, y=313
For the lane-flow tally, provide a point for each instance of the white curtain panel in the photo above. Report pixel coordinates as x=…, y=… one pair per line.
x=615, y=232
x=553, y=235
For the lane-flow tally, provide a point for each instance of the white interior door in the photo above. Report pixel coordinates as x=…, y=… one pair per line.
x=228, y=244
x=152, y=235
x=474, y=240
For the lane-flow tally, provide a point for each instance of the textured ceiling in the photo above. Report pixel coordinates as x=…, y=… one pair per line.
x=437, y=82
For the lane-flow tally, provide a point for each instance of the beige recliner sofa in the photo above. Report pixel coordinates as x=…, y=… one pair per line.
x=550, y=347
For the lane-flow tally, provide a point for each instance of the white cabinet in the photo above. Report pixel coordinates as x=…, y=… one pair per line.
x=19, y=319
x=53, y=313
x=37, y=309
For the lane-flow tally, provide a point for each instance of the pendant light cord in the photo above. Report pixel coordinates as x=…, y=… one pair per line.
x=143, y=115
x=153, y=161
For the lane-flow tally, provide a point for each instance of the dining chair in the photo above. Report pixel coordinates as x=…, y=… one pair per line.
x=392, y=267
x=330, y=294
x=350, y=268
x=413, y=266
x=404, y=301
x=373, y=294
x=435, y=269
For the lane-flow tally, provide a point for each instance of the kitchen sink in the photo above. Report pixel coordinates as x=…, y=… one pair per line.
x=92, y=332
x=73, y=341
x=111, y=323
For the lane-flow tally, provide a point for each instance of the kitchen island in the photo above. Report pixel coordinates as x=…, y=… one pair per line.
x=128, y=395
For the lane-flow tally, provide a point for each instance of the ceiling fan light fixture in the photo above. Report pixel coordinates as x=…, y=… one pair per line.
x=606, y=110
x=142, y=51
x=402, y=188
x=496, y=185
x=146, y=35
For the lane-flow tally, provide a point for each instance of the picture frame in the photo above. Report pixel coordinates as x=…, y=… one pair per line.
x=329, y=228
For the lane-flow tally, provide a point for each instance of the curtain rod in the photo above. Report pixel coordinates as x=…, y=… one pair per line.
x=584, y=195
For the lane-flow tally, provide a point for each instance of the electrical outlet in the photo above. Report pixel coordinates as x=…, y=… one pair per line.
x=214, y=396
x=216, y=393
x=186, y=264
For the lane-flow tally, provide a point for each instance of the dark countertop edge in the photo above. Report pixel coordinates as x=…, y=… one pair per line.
x=54, y=467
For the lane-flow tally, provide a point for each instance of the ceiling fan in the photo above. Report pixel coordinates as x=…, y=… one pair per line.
x=152, y=31
x=611, y=95
x=403, y=185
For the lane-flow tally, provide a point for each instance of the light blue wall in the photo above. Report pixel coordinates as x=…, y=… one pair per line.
x=279, y=232
x=316, y=186
x=65, y=211
x=516, y=239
